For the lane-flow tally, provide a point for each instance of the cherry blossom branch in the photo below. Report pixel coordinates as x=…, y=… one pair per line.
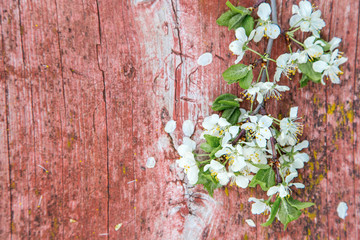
x=268, y=50
x=275, y=161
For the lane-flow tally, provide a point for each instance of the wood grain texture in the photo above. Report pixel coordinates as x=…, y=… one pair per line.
x=86, y=90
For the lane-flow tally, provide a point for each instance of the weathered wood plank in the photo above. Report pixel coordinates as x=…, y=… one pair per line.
x=5, y=190
x=19, y=119
x=340, y=131
x=85, y=165
x=42, y=71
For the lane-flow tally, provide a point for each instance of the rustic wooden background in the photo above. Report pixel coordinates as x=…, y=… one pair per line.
x=86, y=89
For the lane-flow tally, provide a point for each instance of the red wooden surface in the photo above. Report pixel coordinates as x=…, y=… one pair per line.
x=86, y=89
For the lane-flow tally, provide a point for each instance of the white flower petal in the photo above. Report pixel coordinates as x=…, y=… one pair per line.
x=223, y=122
x=264, y=11
x=334, y=43
x=273, y=31
x=205, y=59
x=342, y=210
x=293, y=112
x=305, y=8
x=210, y=121
x=283, y=191
x=242, y=181
x=265, y=121
x=250, y=222
x=259, y=33
x=193, y=174
x=320, y=66
x=272, y=190
x=298, y=185
x=188, y=128
x=290, y=177
x=241, y=34
x=170, y=126
x=183, y=149
x=233, y=130
x=191, y=143
x=150, y=163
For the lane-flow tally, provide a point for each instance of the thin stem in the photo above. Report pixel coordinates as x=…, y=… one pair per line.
x=296, y=41
x=252, y=50
x=262, y=68
x=275, y=160
x=242, y=133
x=267, y=74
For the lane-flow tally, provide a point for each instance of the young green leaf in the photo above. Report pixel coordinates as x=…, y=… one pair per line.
x=306, y=68
x=208, y=181
x=248, y=24
x=274, y=210
x=265, y=178
x=224, y=19
x=212, y=154
x=245, y=82
x=221, y=101
x=232, y=115
x=299, y=205
x=206, y=147
x=212, y=140
x=238, y=9
x=236, y=21
x=230, y=103
x=235, y=72
x=287, y=213
x=304, y=80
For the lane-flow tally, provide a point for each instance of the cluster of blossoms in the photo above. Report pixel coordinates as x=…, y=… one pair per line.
x=247, y=148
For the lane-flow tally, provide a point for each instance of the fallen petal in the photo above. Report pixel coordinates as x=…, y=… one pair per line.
x=250, y=222
x=150, y=163
x=342, y=210
x=205, y=59
x=170, y=126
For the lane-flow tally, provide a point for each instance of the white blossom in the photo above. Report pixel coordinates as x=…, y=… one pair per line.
x=259, y=206
x=308, y=20
x=265, y=26
x=260, y=128
x=329, y=66
x=286, y=64
x=150, y=163
x=219, y=171
x=313, y=49
x=188, y=163
x=238, y=47
x=290, y=129
x=283, y=188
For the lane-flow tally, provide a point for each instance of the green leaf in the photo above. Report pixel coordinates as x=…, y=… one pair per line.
x=248, y=24
x=206, y=147
x=245, y=82
x=304, y=80
x=299, y=205
x=212, y=154
x=236, y=21
x=212, y=141
x=238, y=9
x=274, y=210
x=208, y=181
x=306, y=68
x=227, y=97
x=232, y=115
x=224, y=19
x=230, y=103
x=287, y=213
x=235, y=72
x=265, y=178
